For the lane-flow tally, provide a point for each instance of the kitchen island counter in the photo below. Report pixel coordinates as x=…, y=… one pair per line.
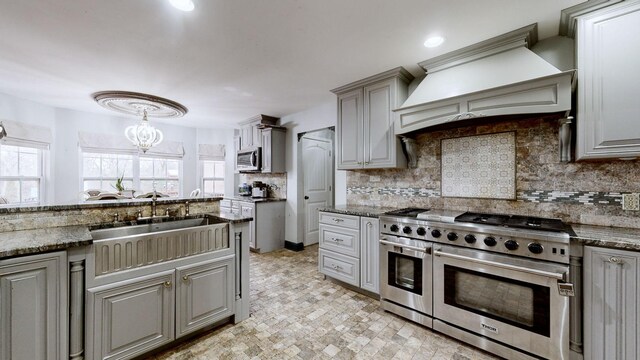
x=24, y=242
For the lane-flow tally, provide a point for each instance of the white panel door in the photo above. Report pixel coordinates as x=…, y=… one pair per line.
x=317, y=162
x=379, y=136
x=611, y=304
x=350, y=130
x=205, y=294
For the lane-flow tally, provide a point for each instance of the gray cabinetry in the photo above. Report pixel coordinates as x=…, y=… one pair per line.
x=349, y=250
x=266, y=230
x=365, y=126
x=33, y=307
x=204, y=294
x=611, y=295
x=608, y=47
x=250, y=130
x=133, y=316
x=273, y=149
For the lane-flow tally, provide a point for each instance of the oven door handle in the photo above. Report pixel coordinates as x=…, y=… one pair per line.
x=415, y=248
x=553, y=275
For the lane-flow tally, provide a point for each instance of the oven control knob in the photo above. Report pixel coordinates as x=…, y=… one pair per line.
x=406, y=230
x=511, y=244
x=394, y=228
x=436, y=233
x=452, y=236
x=421, y=231
x=470, y=239
x=490, y=241
x=535, y=248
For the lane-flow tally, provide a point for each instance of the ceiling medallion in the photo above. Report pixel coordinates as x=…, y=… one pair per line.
x=143, y=135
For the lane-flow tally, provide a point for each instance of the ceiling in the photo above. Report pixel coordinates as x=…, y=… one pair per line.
x=231, y=59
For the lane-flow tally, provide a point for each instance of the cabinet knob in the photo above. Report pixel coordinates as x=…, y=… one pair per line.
x=185, y=278
x=615, y=260
x=369, y=223
x=167, y=284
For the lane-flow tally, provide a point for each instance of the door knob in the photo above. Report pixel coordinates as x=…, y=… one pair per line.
x=306, y=197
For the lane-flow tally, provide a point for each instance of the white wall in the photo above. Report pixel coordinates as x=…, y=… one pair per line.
x=318, y=117
x=64, y=185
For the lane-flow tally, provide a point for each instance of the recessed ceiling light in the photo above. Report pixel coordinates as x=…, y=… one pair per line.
x=434, y=41
x=184, y=5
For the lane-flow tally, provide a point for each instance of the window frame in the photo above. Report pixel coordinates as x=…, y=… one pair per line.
x=42, y=151
x=203, y=178
x=154, y=178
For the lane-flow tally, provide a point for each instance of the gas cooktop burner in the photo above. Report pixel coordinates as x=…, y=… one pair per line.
x=408, y=212
x=514, y=221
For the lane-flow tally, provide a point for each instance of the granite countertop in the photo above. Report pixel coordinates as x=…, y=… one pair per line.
x=101, y=204
x=13, y=243
x=368, y=211
x=254, y=200
x=24, y=242
x=611, y=237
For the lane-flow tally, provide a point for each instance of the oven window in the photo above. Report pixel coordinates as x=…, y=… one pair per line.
x=405, y=272
x=513, y=302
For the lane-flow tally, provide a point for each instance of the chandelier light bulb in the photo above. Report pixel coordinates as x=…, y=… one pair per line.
x=184, y=5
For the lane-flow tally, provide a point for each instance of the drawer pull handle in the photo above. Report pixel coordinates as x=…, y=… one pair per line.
x=336, y=267
x=337, y=240
x=167, y=284
x=615, y=260
x=337, y=220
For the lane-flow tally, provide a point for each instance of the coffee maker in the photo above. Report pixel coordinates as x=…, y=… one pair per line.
x=259, y=189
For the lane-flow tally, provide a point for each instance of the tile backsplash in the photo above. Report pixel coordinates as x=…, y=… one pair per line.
x=577, y=192
x=277, y=183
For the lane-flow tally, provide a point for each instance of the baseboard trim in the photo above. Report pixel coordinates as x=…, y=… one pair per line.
x=293, y=246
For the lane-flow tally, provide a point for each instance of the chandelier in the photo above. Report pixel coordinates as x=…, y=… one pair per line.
x=143, y=135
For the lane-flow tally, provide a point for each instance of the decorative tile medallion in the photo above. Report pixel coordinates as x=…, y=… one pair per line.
x=481, y=166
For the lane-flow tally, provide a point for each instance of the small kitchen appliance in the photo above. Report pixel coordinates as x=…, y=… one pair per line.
x=244, y=190
x=259, y=190
x=498, y=282
x=249, y=160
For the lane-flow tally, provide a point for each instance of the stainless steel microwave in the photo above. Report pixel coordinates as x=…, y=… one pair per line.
x=249, y=159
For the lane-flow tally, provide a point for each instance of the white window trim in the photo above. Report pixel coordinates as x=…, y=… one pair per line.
x=203, y=178
x=43, y=160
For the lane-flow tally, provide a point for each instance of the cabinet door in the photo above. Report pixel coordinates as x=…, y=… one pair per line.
x=236, y=146
x=248, y=209
x=266, y=150
x=379, y=138
x=350, y=130
x=369, y=255
x=246, y=134
x=33, y=307
x=610, y=304
x=608, y=44
x=205, y=294
x=134, y=316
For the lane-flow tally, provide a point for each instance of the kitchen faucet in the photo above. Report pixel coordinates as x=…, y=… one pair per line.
x=154, y=203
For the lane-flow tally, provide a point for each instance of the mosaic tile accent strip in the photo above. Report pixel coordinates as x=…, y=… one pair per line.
x=409, y=192
x=482, y=166
x=571, y=197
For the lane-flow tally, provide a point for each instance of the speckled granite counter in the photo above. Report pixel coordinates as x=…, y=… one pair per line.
x=13, y=243
x=254, y=200
x=611, y=237
x=230, y=218
x=368, y=211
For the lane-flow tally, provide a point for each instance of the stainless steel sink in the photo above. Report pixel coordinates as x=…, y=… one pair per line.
x=119, y=232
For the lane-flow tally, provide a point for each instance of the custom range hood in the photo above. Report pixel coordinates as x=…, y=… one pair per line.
x=499, y=76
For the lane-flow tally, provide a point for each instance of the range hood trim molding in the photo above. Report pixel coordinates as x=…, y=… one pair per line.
x=398, y=72
x=526, y=36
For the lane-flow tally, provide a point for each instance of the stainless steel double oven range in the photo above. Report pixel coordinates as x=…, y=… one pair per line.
x=498, y=282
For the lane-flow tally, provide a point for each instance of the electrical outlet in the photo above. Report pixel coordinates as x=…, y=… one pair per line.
x=631, y=201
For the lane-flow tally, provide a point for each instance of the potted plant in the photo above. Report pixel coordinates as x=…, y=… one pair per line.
x=119, y=185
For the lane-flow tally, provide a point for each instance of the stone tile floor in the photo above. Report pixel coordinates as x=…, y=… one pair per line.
x=295, y=314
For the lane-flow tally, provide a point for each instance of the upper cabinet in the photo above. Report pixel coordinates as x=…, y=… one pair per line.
x=608, y=116
x=365, y=127
x=250, y=130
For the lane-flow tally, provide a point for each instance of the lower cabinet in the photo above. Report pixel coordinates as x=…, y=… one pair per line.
x=349, y=250
x=611, y=292
x=33, y=307
x=266, y=230
x=135, y=316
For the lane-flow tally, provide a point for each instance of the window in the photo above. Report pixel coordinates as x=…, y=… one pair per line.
x=100, y=171
x=212, y=177
x=21, y=179
x=164, y=173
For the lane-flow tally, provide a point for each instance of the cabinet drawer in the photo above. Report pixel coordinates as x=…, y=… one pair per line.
x=225, y=203
x=340, y=267
x=225, y=209
x=346, y=221
x=340, y=240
